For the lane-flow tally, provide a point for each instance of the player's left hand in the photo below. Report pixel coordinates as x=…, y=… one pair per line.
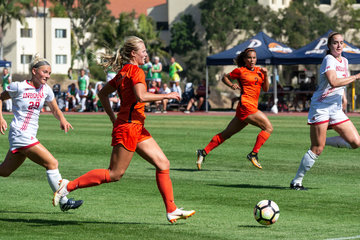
x=65, y=126
x=3, y=126
x=264, y=70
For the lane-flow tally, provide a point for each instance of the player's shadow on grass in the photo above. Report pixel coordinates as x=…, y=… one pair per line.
x=202, y=170
x=45, y=222
x=250, y=186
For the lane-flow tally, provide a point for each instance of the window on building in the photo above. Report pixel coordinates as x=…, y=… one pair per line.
x=60, y=59
x=327, y=2
x=283, y=2
x=162, y=26
x=358, y=1
x=273, y=2
x=26, y=32
x=25, y=59
x=60, y=33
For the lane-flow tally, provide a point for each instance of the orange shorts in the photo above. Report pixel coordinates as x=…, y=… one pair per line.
x=129, y=135
x=243, y=111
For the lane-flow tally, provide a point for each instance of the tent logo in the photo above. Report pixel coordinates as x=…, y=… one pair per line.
x=275, y=47
x=317, y=50
x=349, y=49
x=254, y=43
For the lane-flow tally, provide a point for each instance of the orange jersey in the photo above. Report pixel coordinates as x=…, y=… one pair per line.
x=250, y=82
x=131, y=110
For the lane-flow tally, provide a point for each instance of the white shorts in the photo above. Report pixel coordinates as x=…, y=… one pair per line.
x=21, y=140
x=321, y=113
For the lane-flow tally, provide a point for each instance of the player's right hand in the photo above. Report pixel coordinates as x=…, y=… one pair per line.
x=173, y=95
x=3, y=126
x=235, y=86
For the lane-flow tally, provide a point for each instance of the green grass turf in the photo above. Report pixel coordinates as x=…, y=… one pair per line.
x=223, y=194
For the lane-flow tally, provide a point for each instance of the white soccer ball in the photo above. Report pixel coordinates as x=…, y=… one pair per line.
x=266, y=212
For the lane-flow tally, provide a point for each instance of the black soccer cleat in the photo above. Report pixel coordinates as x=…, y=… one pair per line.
x=253, y=158
x=200, y=158
x=71, y=204
x=297, y=187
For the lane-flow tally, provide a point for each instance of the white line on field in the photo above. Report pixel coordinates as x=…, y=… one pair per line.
x=344, y=238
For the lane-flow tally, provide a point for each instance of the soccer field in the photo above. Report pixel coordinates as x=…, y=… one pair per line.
x=223, y=194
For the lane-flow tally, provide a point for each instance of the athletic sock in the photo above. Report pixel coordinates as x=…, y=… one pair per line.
x=338, y=142
x=165, y=187
x=215, y=141
x=306, y=163
x=92, y=178
x=260, y=140
x=53, y=177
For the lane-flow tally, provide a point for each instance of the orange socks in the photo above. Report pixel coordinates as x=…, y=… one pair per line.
x=92, y=178
x=215, y=141
x=260, y=140
x=165, y=187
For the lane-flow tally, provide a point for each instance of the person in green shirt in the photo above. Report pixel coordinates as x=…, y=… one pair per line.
x=156, y=71
x=146, y=67
x=173, y=73
x=83, y=83
x=6, y=80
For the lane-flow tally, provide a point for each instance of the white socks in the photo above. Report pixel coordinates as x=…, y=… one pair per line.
x=83, y=103
x=306, y=163
x=53, y=177
x=338, y=142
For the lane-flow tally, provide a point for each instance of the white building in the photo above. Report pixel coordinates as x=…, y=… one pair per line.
x=22, y=42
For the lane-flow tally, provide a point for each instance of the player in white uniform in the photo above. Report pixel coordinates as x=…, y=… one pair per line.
x=326, y=109
x=28, y=98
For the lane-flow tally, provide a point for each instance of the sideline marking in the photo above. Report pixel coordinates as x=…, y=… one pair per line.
x=344, y=238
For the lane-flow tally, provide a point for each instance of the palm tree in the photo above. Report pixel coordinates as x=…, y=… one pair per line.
x=9, y=10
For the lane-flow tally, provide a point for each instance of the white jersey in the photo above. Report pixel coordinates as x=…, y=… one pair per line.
x=27, y=103
x=325, y=93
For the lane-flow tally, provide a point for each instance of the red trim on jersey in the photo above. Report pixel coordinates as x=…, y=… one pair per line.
x=27, y=120
x=28, y=146
x=339, y=122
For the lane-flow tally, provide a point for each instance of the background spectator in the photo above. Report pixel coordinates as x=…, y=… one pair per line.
x=6, y=80
x=83, y=83
x=72, y=98
x=156, y=71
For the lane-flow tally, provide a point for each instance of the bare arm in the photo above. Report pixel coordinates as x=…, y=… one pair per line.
x=3, y=125
x=105, y=102
x=226, y=80
x=143, y=96
x=334, y=81
x=64, y=124
x=265, y=85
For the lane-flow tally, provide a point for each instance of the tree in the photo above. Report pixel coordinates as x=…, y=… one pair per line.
x=348, y=18
x=112, y=34
x=184, y=38
x=86, y=18
x=9, y=10
x=195, y=62
x=302, y=22
x=223, y=20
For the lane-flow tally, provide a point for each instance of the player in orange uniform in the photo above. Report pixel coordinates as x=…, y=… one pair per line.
x=251, y=79
x=129, y=134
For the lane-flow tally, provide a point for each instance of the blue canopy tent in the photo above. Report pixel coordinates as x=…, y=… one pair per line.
x=5, y=63
x=268, y=52
x=314, y=52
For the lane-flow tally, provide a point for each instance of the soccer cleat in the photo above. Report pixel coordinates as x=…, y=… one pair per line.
x=71, y=204
x=60, y=192
x=297, y=187
x=200, y=158
x=179, y=213
x=253, y=158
